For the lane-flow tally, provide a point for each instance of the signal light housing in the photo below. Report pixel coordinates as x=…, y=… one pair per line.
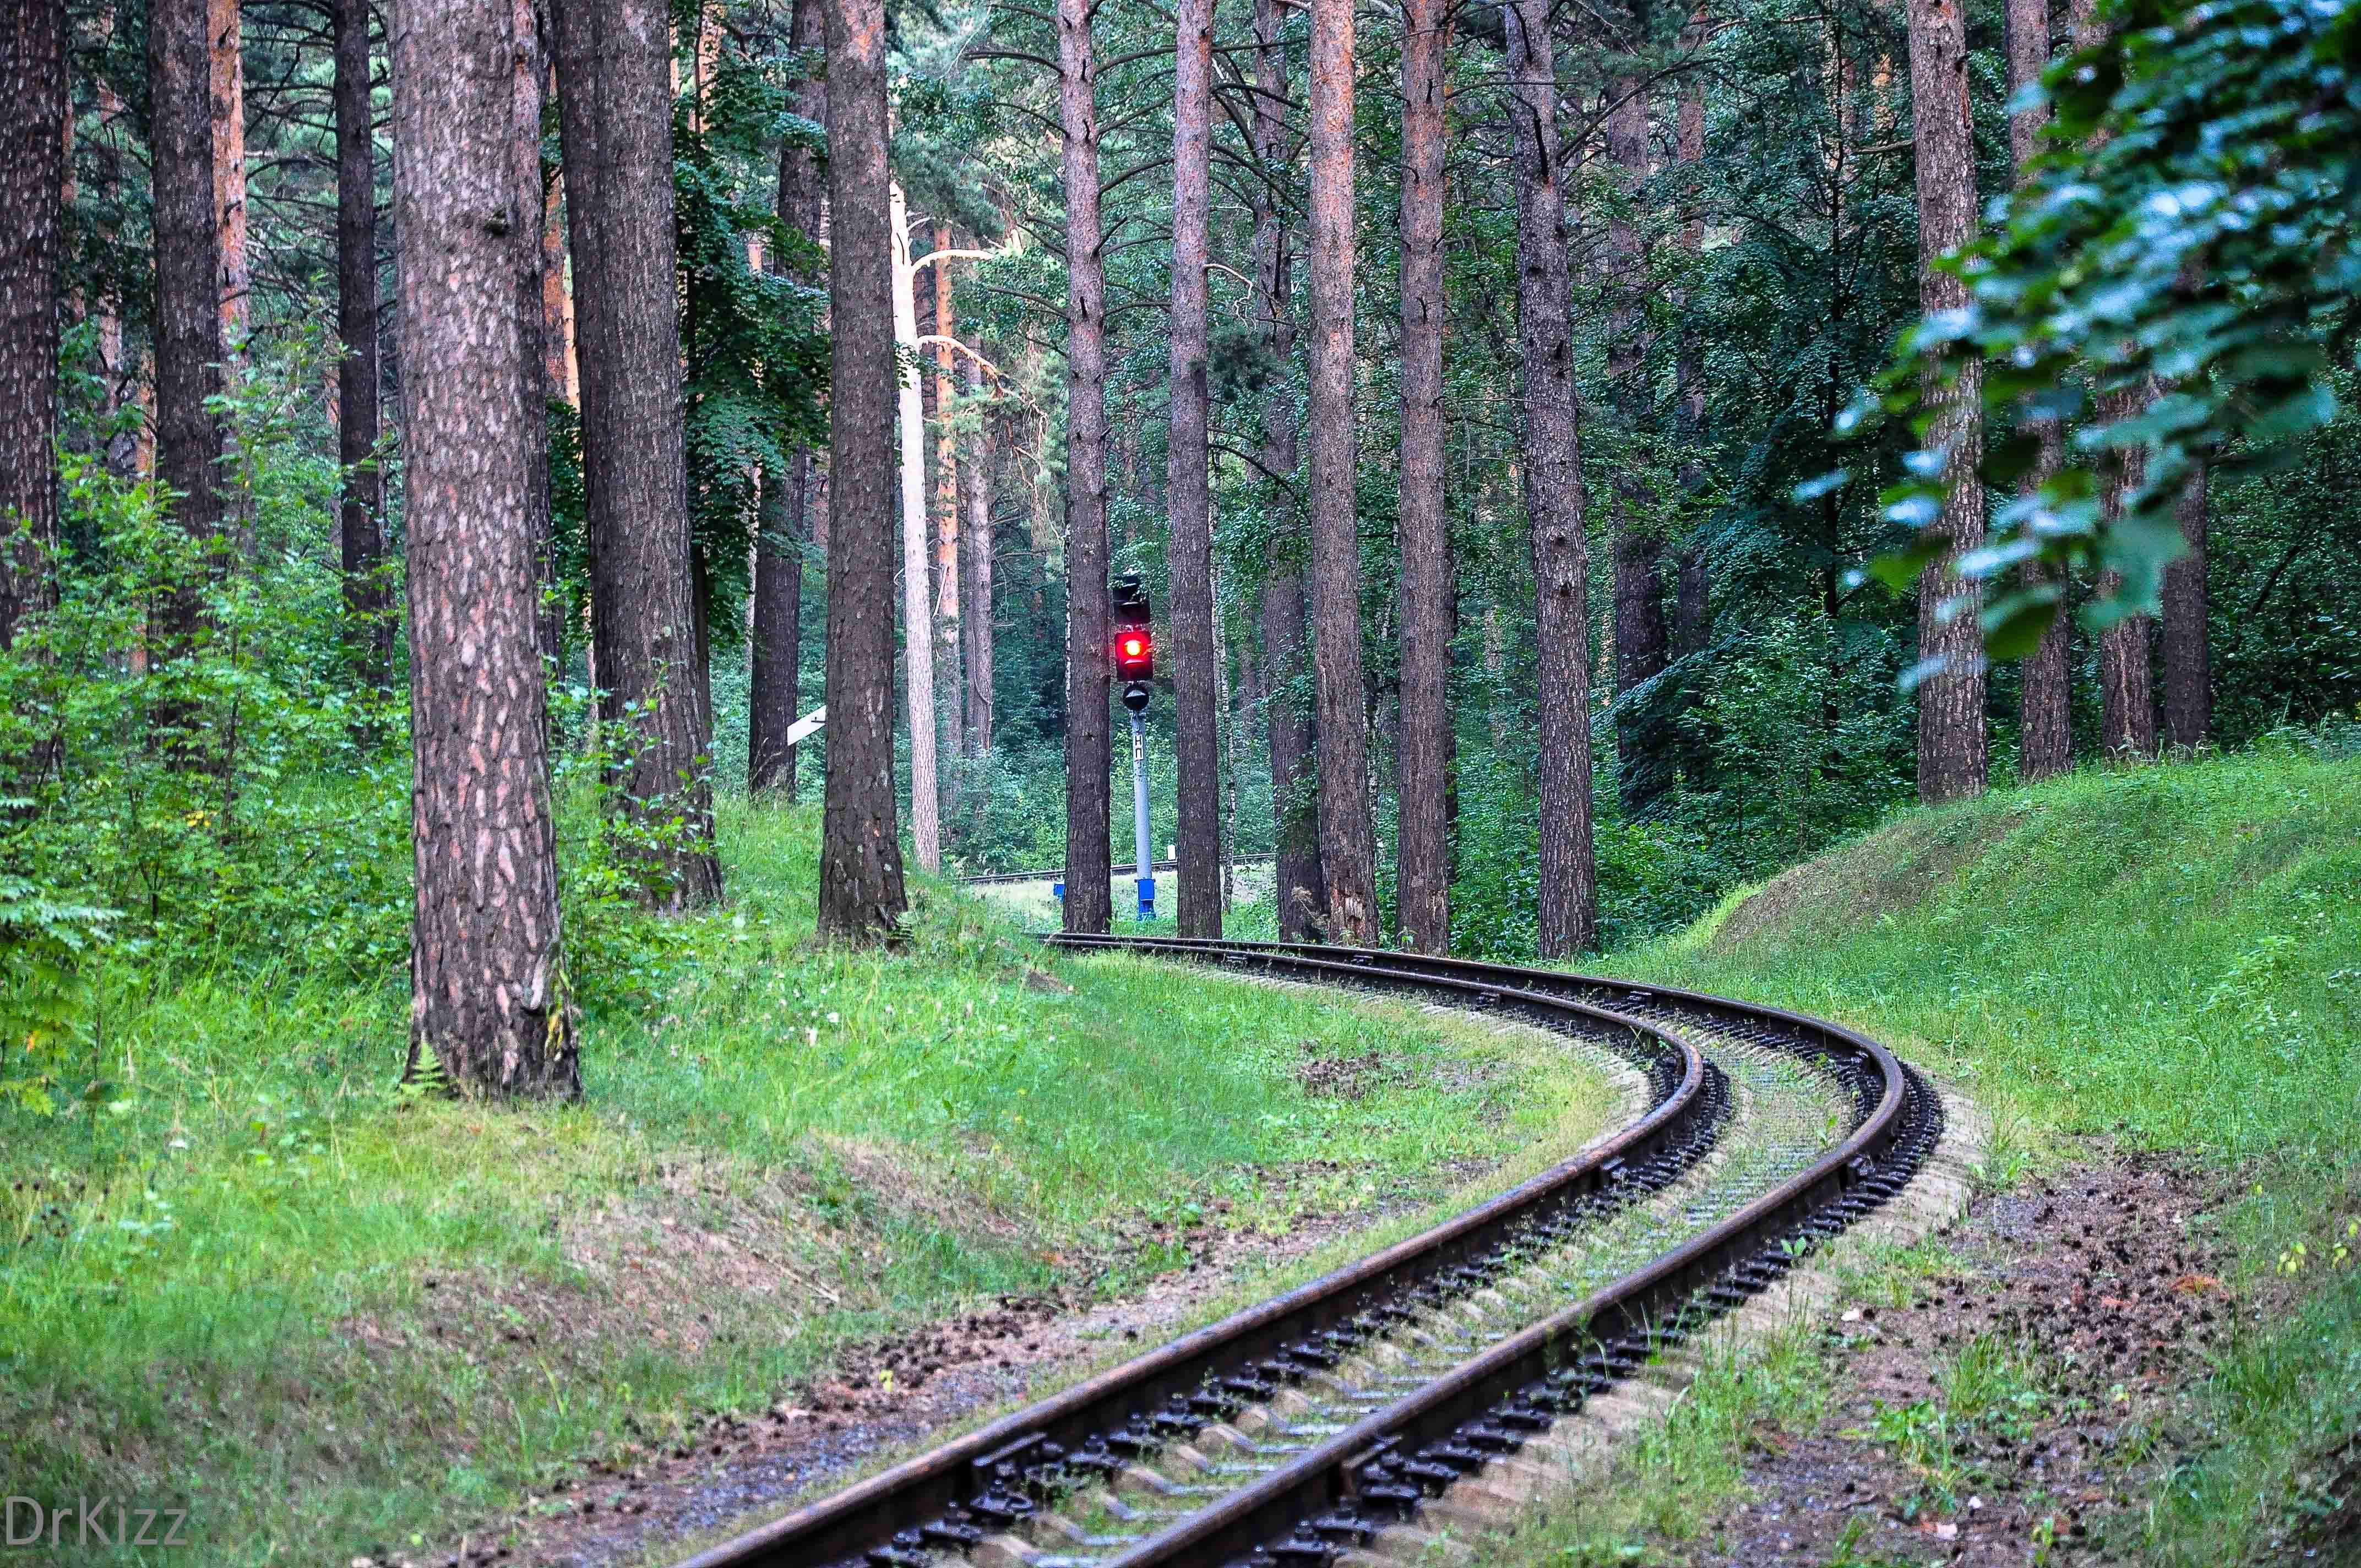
x=1134, y=644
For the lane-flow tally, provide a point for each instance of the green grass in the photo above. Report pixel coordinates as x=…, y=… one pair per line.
x=253, y=1281
x=2169, y=956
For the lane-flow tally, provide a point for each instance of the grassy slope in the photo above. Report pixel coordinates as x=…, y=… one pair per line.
x=2170, y=956
x=327, y=1319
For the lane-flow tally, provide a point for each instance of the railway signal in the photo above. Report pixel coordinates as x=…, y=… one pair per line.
x=1134, y=662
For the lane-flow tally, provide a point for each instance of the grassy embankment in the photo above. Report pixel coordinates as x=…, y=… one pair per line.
x=2165, y=957
x=326, y=1318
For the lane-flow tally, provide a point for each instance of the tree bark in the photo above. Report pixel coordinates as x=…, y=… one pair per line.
x=774, y=688
x=1555, y=500
x=2188, y=680
x=975, y=574
x=556, y=302
x=188, y=325
x=2127, y=674
x=918, y=604
x=1188, y=491
x=486, y=992
x=1422, y=851
x=1952, y=761
x=614, y=70
x=368, y=592
x=862, y=898
x=1348, y=844
x=1692, y=613
x=1643, y=640
x=1298, y=890
x=34, y=115
x=227, y=72
x=2045, y=745
x=1089, y=731
x=947, y=641
x=533, y=75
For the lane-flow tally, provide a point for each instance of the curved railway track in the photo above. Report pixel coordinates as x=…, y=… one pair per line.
x=1347, y=1403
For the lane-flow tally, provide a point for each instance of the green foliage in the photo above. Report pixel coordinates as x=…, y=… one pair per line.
x=2188, y=238
x=45, y=996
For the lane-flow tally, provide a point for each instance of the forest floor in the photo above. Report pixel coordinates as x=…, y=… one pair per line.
x=333, y=1321
x=2143, y=1344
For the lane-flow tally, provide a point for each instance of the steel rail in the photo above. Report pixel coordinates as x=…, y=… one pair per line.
x=1347, y=1486
x=1157, y=1386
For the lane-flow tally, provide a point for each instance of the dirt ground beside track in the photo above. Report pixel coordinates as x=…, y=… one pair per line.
x=2023, y=1398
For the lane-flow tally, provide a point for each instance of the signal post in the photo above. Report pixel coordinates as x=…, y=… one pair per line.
x=1135, y=664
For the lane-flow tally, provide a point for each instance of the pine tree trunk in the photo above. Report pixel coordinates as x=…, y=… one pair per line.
x=1422, y=852
x=1554, y=501
x=917, y=602
x=1299, y=893
x=862, y=898
x=2188, y=680
x=533, y=75
x=369, y=593
x=34, y=114
x=227, y=67
x=1348, y=845
x=1188, y=490
x=975, y=574
x=1952, y=743
x=1090, y=870
x=2044, y=714
x=486, y=992
x=774, y=686
x=188, y=296
x=556, y=303
x=1643, y=640
x=2126, y=671
x=948, y=641
x=614, y=70
x=1692, y=616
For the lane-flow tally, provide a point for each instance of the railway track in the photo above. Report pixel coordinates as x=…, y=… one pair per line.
x=1292, y=1431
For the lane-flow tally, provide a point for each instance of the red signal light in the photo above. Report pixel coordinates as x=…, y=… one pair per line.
x=1134, y=653
x=1132, y=646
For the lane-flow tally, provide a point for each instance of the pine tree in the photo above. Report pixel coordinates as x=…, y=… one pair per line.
x=487, y=993
x=862, y=898
x=1348, y=845
x=2045, y=724
x=1423, y=851
x=33, y=118
x=2188, y=678
x=1090, y=870
x=1188, y=488
x=614, y=70
x=360, y=527
x=1951, y=740
x=1554, y=503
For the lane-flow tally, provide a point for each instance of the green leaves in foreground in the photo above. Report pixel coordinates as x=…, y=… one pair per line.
x=2172, y=287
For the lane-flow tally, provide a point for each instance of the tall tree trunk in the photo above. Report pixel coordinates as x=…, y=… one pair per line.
x=774, y=690
x=227, y=72
x=1554, y=495
x=188, y=325
x=487, y=997
x=862, y=898
x=2188, y=680
x=1691, y=613
x=369, y=593
x=1090, y=870
x=34, y=114
x=951, y=695
x=614, y=71
x=1298, y=890
x=975, y=572
x=556, y=302
x=1189, y=484
x=2127, y=673
x=1348, y=840
x=917, y=606
x=533, y=75
x=1643, y=640
x=1951, y=740
x=2044, y=714
x=1422, y=852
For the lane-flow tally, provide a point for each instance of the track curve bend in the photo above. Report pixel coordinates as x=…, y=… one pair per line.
x=1339, y=1480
